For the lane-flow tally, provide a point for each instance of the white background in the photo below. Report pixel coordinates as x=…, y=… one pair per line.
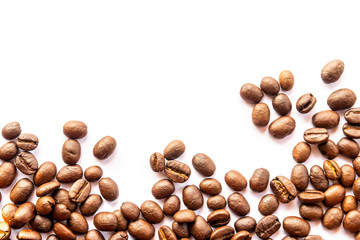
x=148, y=72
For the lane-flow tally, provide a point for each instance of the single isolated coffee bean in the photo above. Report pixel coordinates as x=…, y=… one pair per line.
x=93, y=173
x=152, y=212
x=200, y=229
x=62, y=196
x=222, y=233
x=268, y=204
x=78, y=223
x=210, y=186
x=235, y=180
x=351, y=131
x=157, y=162
x=326, y=119
x=69, y=173
x=283, y=189
x=296, y=226
x=177, y=171
x=94, y=234
x=286, y=79
x=79, y=191
x=185, y=216
x=204, y=164
x=21, y=191
x=348, y=147
x=349, y=203
x=28, y=234
x=270, y=86
x=130, y=210
x=45, y=205
x=26, y=162
x=121, y=220
x=311, y=212
x=162, y=189
x=301, y=152
x=171, y=205
x=329, y=149
x=311, y=196
x=282, y=127
x=245, y=224
x=267, y=226
x=341, y=99
x=27, y=141
x=166, y=233
x=104, y=147
x=238, y=204
x=334, y=195
x=174, y=150
x=348, y=175
x=8, y=151
x=141, y=229
x=181, y=230
x=11, y=130
x=63, y=231
x=5, y=230
x=192, y=197
x=216, y=202
x=260, y=115
x=75, y=129
x=352, y=116
x=259, y=180
x=251, y=93
x=219, y=218
x=45, y=173
x=108, y=189
x=105, y=221
x=300, y=177
x=305, y=103
x=71, y=151
x=332, y=170
x=352, y=221
x=90, y=206
x=318, y=178
x=316, y=135
x=332, y=71
x=332, y=218
x=47, y=188
x=282, y=104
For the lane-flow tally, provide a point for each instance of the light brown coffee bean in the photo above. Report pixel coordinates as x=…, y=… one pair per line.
x=332, y=218
x=47, y=188
x=348, y=175
x=5, y=231
x=296, y=226
x=329, y=149
x=219, y=218
x=28, y=234
x=300, y=177
x=181, y=230
x=165, y=233
x=238, y=204
x=45, y=205
x=216, y=202
x=348, y=147
x=130, y=210
x=352, y=221
x=78, y=223
x=45, y=173
x=141, y=229
x=311, y=212
x=192, y=197
x=27, y=141
x=267, y=226
x=349, y=203
x=121, y=220
x=260, y=115
x=259, y=180
x=318, y=178
x=204, y=164
x=332, y=71
x=316, y=135
x=352, y=116
x=94, y=234
x=108, y=189
x=334, y=195
x=286, y=79
x=63, y=231
x=62, y=196
x=282, y=127
x=75, y=129
x=104, y=147
x=8, y=215
x=355, y=163
x=251, y=93
x=8, y=151
x=341, y=99
x=71, y=151
x=351, y=131
x=11, y=130
x=171, y=205
x=326, y=119
x=311, y=196
x=151, y=211
x=185, y=216
x=210, y=186
x=60, y=212
x=177, y=171
x=283, y=189
x=305, y=103
x=200, y=229
x=174, y=150
x=105, y=221
x=222, y=233
x=270, y=86
x=21, y=191
x=69, y=173
x=162, y=189
x=301, y=152
x=313, y=237
x=356, y=189
x=25, y=212
x=157, y=162
x=332, y=169
x=26, y=162
x=245, y=224
x=90, y=206
x=93, y=173
x=79, y=191
x=235, y=180
x=41, y=224
x=268, y=204
x=282, y=104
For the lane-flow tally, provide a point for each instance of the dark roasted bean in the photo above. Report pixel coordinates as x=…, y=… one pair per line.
x=318, y=178
x=282, y=127
x=351, y=131
x=26, y=162
x=316, y=135
x=75, y=129
x=157, y=162
x=71, y=151
x=93, y=173
x=177, y=171
x=222, y=233
x=63, y=231
x=8, y=151
x=141, y=229
x=341, y=99
x=105, y=221
x=245, y=224
x=203, y=164
x=283, y=189
x=219, y=218
x=268, y=204
x=300, y=177
x=151, y=211
x=311, y=212
x=90, y=206
x=109, y=189
x=348, y=147
x=352, y=221
x=27, y=141
x=104, y=147
x=162, y=189
x=69, y=173
x=130, y=210
x=332, y=71
x=47, y=188
x=259, y=180
x=329, y=149
x=45, y=205
x=77, y=223
x=171, y=205
x=200, y=229
x=267, y=226
x=41, y=224
x=282, y=104
x=296, y=226
x=11, y=130
x=174, y=150
x=251, y=93
x=216, y=202
x=270, y=86
x=238, y=204
x=305, y=103
x=326, y=119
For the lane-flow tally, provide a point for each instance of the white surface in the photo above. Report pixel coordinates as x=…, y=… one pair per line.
x=148, y=72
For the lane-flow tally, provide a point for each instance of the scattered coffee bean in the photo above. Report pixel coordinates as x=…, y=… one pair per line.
x=334, y=195
x=348, y=147
x=242, y=235
x=352, y=116
x=283, y=189
x=332, y=218
x=41, y=224
x=8, y=215
x=47, y=188
x=25, y=212
x=238, y=204
x=222, y=233
x=28, y=234
x=141, y=229
x=174, y=150
x=305, y=103
x=185, y=216
x=165, y=233
x=93, y=173
x=352, y=221
x=326, y=119
x=267, y=226
x=356, y=189
x=349, y=203
x=332, y=170
x=311, y=196
x=259, y=180
x=348, y=175
x=108, y=189
x=219, y=218
x=60, y=212
x=75, y=129
x=329, y=149
x=192, y=197
x=177, y=171
x=121, y=220
x=69, y=173
x=151, y=211
x=8, y=151
x=90, y=206
x=162, y=189
x=355, y=163
x=245, y=224
x=251, y=93
x=260, y=115
x=21, y=191
x=45, y=173
x=318, y=178
x=200, y=229
x=11, y=130
x=171, y=205
x=300, y=177
x=104, y=147
x=63, y=231
x=157, y=162
x=121, y=235
x=78, y=223
x=130, y=210
x=26, y=162
x=105, y=221
x=203, y=164
x=296, y=226
x=286, y=79
x=235, y=180
x=79, y=191
x=341, y=99
x=282, y=127
x=62, y=196
x=27, y=141
x=210, y=186
x=351, y=131
x=316, y=135
x=282, y=104
x=216, y=202
x=53, y=237
x=311, y=212
x=45, y=205
x=71, y=151
x=270, y=86
x=268, y=204
x=301, y=152
x=332, y=71
x=94, y=234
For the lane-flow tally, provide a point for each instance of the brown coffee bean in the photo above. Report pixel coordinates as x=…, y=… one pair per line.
x=130, y=210
x=162, y=189
x=300, y=177
x=282, y=127
x=25, y=212
x=316, y=135
x=352, y=221
x=45, y=173
x=171, y=205
x=79, y=191
x=69, y=173
x=301, y=152
x=60, y=212
x=286, y=79
x=75, y=129
x=203, y=164
x=219, y=218
x=210, y=186
x=260, y=115
x=311, y=212
x=348, y=147
x=21, y=191
x=93, y=173
x=8, y=151
x=185, y=216
x=200, y=229
x=237, y=203
x=141, y=229
x=305, y=103
x=28, y=234
x=283, y=189
x=181, y=230
x=26, y=162
x=121, y=235
x=341, y=99
x=326, y=119
x=356, y=189
x=311, y=196
x=296, y=226
x=5, y=231
x=270, y=86
x=47, y=188
x=313, y=237
x=222, y=233
x=235, y=180
x=268, y=204
x=177, y=171
x=165, y=233
x=27, y=141
x=216, y=202
x=41, y=224
x=71, y=151
x=348, y=175
x=121, y=220
x=332, y=218
x=77, y=223
x=105, y=221
x=11, y=130
x=282, y=104
x=90, y=206
x=332, y=169
x=329, y=149
x=332, y=71
x=108, y=189
x=174, y=150
x=349, y=203
x=245, y=224
x=94, y=235
x=351, y=131
x=192, y=197
x=62, y=196
x=267, y=226
x=334, y=195
x=251, y=93
x=259, y=180
x=151, y=211
x=104, y=147
x=355, y=163
x=353, y=116
x=63, y=232
x=318, y=178
x=157, y=162
x=242, y=235
x=8, y=214
x=45, y=205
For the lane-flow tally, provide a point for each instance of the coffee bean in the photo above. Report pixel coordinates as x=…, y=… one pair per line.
x=121, y=235
x=305, y=103
x=104, y=147
x=45, y=205
x=353, y=116
x=130, y=210
x=270, y=86
x=21, y=191
x=332, y=170
x=251, y=93
x=268, y=204
x=192, y=197
x=26, y=162
x=5, y=231
x=332, y=218
x=301, y=152
x=62, y=196
x=75, y=129
x=90, y=206
x=296, y=226
x=28, y=234
x=311, y=212
x=283, y=189
x=41, y=224
x=222, y=233
x=282, y=104
x=77, y=223
x=63, y=232
x=334, y=195
x=79, y=191
x=341, y=99
x=203, y=164
x=355, y=163
x=157, y=162
x=352, y=221
x=267, y=226
x=121, y=220
x=8, y=151
x=286, y=79
x=219, y=218
x=318, y=178
x=94, y=234
x=71, y=151
x=348, y=175
x=260, y=115
x=45, y=173
x=245, y=224
x=349, y=203
x=300, y=177
x=242, y=235
x=93, y=173
x=151, y=211
x=27, y=141
x=69, y=173
x=332, y=71
x=47, y=188
x=171, y=205
x=177, y=171
x=329, y=149
x=235, y=180
x=8, y=214
x=316, y=135
x=174, y=150
x=11, y=130
x=356, y=189
x=105, y=221
x=185, y=216
x=282, y=127
x=108, y=189
x=162, y=189
x=60, y=212
x=237, y=203
x=200, y=229
x=348, y=147
x=210, y=186
x=141, y=229
x=351, y=131
x=311, y=196
x=259, y=180
x=313, y=237
x=165, y=233
x=326, y=119
x=52, y=237
x=25, y=212
x=216, y=202
x=181, y=230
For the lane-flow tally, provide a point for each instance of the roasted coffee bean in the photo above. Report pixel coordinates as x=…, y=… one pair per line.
x=351, y=131
x=75, y=129
x=104, y=147
x=268, y=204
x=332, y=71
x=300, y=177
x=301, y=152
x=216, y=202
x=326, y=119
x=141, y=229
x=311, y=212
x=222, y=233
x=174, y=150
x=352, y=221
x=267, y=226
x=63, y=232
x=185, y=216
x=25, y=212
x=200, y=229
x=60, y=212
x=181, y=230
x=5, y=231
x=242, y=235
x=286, y=79
x=90, y=206
x=77, y=223
x=318, y=178
x=329, y=149
x=94, y=235
x=282, y=104
x=41, y=224
x=348, y=175
x=11, y=130
x=334, y=195
x=177, y=171
x=353, y=116
x=45, y=205
x=219, y=218
x=80, y=190
x=162, y=189
x=165, y=233
x=171, y=205
x=251, y=93
x=210, y=186
x=108, y=189
x=270, y=86
x=121, y=235
x=45, y=173
x=316, y=135
x=27, y=141
x=332, y=218
x=192, y=197
x=93, y=173
x=260, y=115
x=121, y=220
x=349, y=203
x=283, y=189
x=245, y=224
x=8, y=214
x=47, y=188
x=235, y=180
x=341, y=99
x=311, y=196
x=8, y=151
x=348, y=147
x=151, y=211
x=237, y=203
x=282, y=127
x=26, y=162
x=28, y=234
x=71, y=151
x=259, y=180
x=313, y=237
x=130, y=210
x=157, y=162
x=356, y=189
x=203, y=164
x=305, y=103
x=105, y=221
x=296, y=226
x=62, y=196
x=53, y=237
x=69, y=173
x=21, y=191
x=355, y=163
x=332, y=170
